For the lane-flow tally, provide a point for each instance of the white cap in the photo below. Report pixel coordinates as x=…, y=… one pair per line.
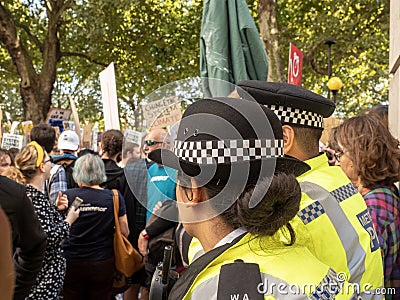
x=68, y=140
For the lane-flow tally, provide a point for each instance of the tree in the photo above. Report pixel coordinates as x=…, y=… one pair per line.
x=36, y=81
x=151, y=43
x=360, y=56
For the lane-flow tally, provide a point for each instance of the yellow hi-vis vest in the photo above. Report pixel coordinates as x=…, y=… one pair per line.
x=287, y=272
x=334, y=224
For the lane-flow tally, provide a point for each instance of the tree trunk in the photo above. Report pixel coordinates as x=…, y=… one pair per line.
x=35, y=88
x=270, y=36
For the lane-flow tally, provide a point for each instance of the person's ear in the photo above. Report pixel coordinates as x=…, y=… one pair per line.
x=42, y=168
x=288, y=138
x=198, y=194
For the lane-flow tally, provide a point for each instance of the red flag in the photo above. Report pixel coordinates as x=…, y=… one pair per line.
x=295, y=65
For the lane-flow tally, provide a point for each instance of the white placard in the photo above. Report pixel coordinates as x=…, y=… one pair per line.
x=133, y=136
x=109, y=96
x=12, y=141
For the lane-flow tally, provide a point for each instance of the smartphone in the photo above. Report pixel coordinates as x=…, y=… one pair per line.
x=76, y=203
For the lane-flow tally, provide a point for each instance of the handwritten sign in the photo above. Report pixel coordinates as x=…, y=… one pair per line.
x=12, y=141
x=152, y=110
x=168, y=116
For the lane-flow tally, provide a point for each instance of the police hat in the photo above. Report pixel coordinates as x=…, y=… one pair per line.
x=293, y=104
x=218, y=135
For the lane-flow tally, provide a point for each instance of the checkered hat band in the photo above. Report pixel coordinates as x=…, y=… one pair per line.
x=227, y=151
x=296, y=116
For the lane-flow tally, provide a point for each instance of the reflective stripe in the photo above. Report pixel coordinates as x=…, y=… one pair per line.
x=345, y=230
x=311, y=212
x=327, y=289
x=270, y=285
x=344, y=192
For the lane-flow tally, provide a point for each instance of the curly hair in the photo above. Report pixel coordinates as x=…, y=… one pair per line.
x=372, y=149
x=112, y=141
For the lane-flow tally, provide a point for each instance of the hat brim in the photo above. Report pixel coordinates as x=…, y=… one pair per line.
x=168, y=158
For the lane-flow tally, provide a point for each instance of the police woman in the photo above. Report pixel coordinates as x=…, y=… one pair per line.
x=235, y=191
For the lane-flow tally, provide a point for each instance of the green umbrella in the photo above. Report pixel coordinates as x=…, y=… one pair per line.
x=230, y=46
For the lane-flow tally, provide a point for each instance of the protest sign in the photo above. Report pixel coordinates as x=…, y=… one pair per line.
x=109, y=97
x=133, y=136
x=12, y=141
x=76, y=119
x=153, y=110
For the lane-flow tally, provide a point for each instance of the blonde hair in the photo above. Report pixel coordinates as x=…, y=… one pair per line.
x=25, y=164
x=14, y=174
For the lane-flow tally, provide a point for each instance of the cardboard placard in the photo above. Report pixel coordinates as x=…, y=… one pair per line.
x=154, y=109
x=58, y=114
x=87, y=136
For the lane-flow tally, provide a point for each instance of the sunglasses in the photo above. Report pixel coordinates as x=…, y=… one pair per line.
x=48, y=160
x=152, y=142
x=338, y=155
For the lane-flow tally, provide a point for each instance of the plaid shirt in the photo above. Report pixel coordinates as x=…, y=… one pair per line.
x=58, y=182
x=383, y=205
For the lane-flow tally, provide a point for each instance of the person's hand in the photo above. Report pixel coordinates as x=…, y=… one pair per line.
x=72, y=216
x=157, y=207
x=143, y=245
x=62, y=201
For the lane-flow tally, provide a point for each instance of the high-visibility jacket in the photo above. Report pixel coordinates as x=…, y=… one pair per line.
x=334, y=224
x=286, y=272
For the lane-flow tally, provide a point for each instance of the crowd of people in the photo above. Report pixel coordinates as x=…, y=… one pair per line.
x=250, y=191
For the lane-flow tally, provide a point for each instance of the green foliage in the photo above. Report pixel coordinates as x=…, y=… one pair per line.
x=359, y=57
x=155, y=42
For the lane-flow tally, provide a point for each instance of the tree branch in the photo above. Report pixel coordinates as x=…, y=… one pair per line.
x=29, y=33
x=85, y=56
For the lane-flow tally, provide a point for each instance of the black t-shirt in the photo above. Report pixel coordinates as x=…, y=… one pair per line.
x=91, y=236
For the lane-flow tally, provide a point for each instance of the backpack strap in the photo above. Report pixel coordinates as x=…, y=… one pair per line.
x=53, y=171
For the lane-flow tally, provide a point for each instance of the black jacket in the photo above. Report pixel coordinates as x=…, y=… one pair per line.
x=29, y=239
x=116, y=180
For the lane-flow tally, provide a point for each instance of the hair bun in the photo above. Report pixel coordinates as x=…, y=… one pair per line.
x=275, y=209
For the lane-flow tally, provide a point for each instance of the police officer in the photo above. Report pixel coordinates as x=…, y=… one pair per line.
x=333, y=221
x=235, y=190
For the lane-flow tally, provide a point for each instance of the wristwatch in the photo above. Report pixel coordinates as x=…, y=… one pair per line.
x=145, y=234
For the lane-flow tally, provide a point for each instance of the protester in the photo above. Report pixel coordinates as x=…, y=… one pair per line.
x=111, y=148
x=130, y=153
x=33, y=163
x=89, y=247
x=61, y=173
x=7, y=273
x=45, y=136
x=28, y=238
x=5, y=160
x=330, y=221
x=157, y=184
x=369, y=156
x=231, y=199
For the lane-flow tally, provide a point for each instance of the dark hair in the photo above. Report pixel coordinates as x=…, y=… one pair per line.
x=44, y=135
x=128, y=147
x=85, y=151
x=372, y=149
x=111, y=141
x=280, y=203
x=307, y=138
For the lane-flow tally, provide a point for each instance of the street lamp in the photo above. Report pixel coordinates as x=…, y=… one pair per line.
x=329, y=42
x=334, y=85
